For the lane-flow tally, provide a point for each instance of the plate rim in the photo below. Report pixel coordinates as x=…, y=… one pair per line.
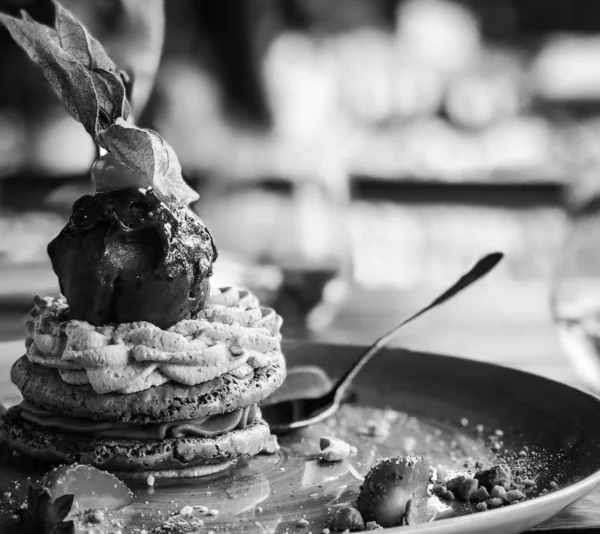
x=462, y=359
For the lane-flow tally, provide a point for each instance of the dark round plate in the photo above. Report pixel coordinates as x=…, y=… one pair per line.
x=449, y=409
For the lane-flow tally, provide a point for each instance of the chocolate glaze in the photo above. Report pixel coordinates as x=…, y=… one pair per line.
x=124, y=256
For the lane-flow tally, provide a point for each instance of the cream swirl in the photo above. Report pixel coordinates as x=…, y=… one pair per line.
x=205, y=427
x=232, y=334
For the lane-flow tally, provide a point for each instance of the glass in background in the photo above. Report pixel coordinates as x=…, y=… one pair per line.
x=575, y=298
x=315, y=259
x=316, y=264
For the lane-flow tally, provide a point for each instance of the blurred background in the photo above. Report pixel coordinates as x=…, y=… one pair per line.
x=352, y=156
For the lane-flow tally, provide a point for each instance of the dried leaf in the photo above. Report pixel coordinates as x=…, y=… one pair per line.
x=110, y=93
x=168, y=181
x=43, y=517
x=38, y=501
x=61, y=507
x=52, y=33
x=132, y=147
x=68, y=77
x=73, y=36
x=101, y=59
x=106, y=76
x=76, y=65
x=151, y=157
x=76, y=40
x=93, y=91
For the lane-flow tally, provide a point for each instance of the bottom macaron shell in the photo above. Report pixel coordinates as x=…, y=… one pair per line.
x=132, y=455
x=194, y=471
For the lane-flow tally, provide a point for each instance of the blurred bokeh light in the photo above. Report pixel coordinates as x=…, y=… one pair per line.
x=336, y=144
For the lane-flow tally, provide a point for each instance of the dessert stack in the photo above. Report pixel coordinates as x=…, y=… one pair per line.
x=140, y=366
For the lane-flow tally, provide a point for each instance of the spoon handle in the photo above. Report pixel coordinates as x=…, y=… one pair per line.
x=479, y=270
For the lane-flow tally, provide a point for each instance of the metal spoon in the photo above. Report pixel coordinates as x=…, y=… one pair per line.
x=301, y=412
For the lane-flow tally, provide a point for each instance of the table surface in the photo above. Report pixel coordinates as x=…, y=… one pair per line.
x=505, y=324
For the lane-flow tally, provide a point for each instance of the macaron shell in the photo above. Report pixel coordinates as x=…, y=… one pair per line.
x=132, y=455
x=168, y=402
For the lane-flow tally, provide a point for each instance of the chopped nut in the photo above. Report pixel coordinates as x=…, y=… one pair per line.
x=481, y=495
x=94, y=516
x=514, y=495
x=498, y=475
x=495, y=502
x=442, y=472
x=498, y=491
x=236, y=350
x=272, y=446
x=467, y=488
x=438, y=489
x=180, y=523
x=453, y=483
x=334, y=449
x=186, y=510
x=348, y=518
x=377, y=429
